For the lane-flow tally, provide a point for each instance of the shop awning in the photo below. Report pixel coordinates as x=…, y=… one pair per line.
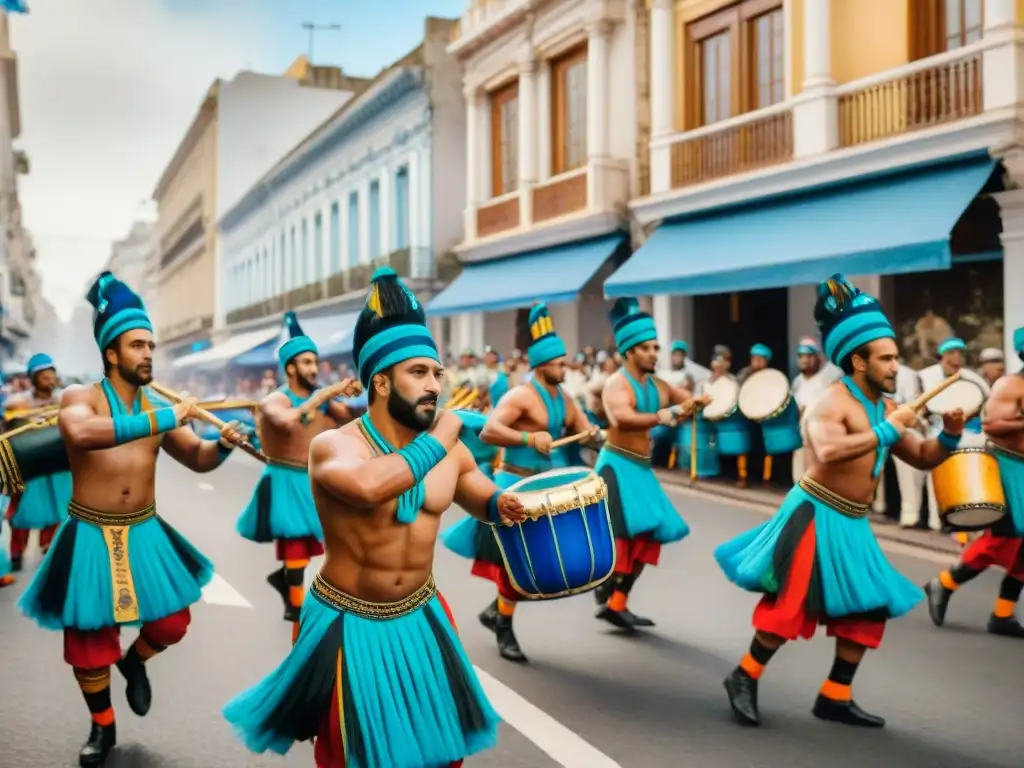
x=551, y=275
x=332, y=334
x=894, y=224
x=219, y=355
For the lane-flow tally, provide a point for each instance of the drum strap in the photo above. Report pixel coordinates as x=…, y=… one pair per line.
x=555, y=405
x=876, y=415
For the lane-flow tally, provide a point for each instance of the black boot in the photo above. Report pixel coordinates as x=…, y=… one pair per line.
x=489, y=616
x=138, y=691
x=15, y=563
x=279, y=583
x=845, y=712
x=1007, y=627
x=938, y=601
x=620, y=619
x=508, y=646
x=742, y=690
x=638, y=621
x=603, y=593
x=102, y=739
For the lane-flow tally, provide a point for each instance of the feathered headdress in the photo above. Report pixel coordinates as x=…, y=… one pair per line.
x=293, y=341
x=117, y=309
x=545, y=344
x=391, y=328
x=848, y=318
x=630, y=324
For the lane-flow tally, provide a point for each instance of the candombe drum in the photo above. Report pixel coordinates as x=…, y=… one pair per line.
x=968, y=396
x=707, y=456
x=732, y=435
x=765, y=399
x=566, y=546
x=968, y=491
x=36, y=452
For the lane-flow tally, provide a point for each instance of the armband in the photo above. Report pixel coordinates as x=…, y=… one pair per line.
x=887, y=434
x=526, y=438
x=948, y=441
x=423, y=454
x=492, y=508
x=142, y=425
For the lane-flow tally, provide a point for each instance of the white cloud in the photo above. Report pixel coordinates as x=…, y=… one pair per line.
x=108, y=89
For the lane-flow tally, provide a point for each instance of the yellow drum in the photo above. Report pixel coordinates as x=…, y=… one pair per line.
x=968, y=490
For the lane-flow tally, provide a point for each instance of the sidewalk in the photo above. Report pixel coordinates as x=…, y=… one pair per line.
x=768, y=500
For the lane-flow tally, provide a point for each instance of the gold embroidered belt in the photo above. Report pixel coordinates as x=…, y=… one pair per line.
x=342, y=601
x=639, y=458
x=833, y=500
x=1008, y=452
x=287, y=463
x=512, y=469
x=115, y=528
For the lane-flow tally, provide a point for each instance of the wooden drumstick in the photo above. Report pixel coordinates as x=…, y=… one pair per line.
x=579, y=437
x=210, y=419
x=938, y=389
x=693, y=446
x=49, y=421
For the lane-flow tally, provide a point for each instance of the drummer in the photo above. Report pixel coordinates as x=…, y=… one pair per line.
x=525, y=423
x=760, y=358
x=497, y=377
x=682, y=373
x=817, y=561
x=281, y=509
x=721, y=363
x=113, y=431
x=1003, y=544
x=808, y=385
x=643, y=517
x=991, y=365
x=43, y=505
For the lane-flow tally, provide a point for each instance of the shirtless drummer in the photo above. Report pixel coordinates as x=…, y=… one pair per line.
x=89, y=585
x=281, y=509
x=378, y=676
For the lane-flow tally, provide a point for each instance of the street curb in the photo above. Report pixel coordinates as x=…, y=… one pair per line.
x=767, y=503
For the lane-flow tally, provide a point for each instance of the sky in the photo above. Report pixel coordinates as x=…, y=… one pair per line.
x=108, y=88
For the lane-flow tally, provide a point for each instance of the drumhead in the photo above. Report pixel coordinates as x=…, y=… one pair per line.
x=763, y=394
x=965, y=394
x=725, y=392
x=974, y=518
x=551, y=480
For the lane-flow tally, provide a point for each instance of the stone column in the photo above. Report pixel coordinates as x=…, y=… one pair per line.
x=663, y=75
x=474, y=144
x=816, y=111
x=1002, y=66
x=598, y=80
x=527, y=136
x=1011, y=207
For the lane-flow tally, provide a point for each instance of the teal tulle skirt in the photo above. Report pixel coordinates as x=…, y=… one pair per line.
x=408, y=693
x=5, y=559
x=44, y=502
x=1011, y=472
x=281, y=507
x=73, y=587
x=851, y=575
x=637, y=503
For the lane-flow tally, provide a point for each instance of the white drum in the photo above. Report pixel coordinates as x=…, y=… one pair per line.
x=764, y=395
x=965, y=394
x=724, y=392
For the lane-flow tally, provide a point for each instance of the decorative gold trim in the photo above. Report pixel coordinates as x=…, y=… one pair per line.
x=833, y=500
x=117, y=519
x=287, y=463
x=639, y=458
x=995, y=448
x=126, y=600
x=342, y=601
x=11, y=481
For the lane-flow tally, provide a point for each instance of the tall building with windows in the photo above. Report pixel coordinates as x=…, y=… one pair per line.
x=790, y=139
x=380, y=181
x=555, y=94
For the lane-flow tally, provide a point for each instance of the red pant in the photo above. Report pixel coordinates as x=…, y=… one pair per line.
x=499, y=576
x=298, y=549
x=785, y=615
x=988, y=550
x=329, y=750
x=642, y=550
x=19, y=539
x=102, y=647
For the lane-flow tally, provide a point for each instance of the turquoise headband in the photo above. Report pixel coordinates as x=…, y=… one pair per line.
x=856, y=330
x=39, y=362
x=1018, y=340
x=545, y=349
x=131, y=319
x=681, y=346
x=760, y=350
x=634, y=329
x=951, y=345
x=807, y=348
x=294, y=347
x=393, y=346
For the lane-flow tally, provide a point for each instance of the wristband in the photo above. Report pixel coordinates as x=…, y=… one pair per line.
x=422, y=455
x=224, y=450
x=948, y=441
x=887, y=434
x=492, y=508
x=143, y=425
x=526, y=438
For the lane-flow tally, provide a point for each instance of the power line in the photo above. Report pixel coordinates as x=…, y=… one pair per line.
x=313, y=28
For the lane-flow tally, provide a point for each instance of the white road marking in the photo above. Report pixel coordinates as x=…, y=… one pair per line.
x=550, y=736
x=219, y=592
x=205, y=487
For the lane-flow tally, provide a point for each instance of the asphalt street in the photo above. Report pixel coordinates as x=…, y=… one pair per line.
x=589, y=698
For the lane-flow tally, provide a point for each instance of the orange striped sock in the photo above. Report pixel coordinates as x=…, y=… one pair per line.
x=830, y=689
x=296, y=595
x=618, y=601
x=752, y=667
x=946, y=580
x=95, y=687
x=1004, y=608
x=506, y=607
x=145, y=649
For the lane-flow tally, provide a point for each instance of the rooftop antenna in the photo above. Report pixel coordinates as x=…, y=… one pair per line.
x=313, y=28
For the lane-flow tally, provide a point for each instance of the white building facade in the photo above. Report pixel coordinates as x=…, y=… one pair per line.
x=552, y=91
x=379, y=182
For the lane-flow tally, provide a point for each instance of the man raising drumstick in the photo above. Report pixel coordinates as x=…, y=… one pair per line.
x=377, y=675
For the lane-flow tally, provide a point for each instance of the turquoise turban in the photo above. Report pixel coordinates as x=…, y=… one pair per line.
x=848, y=319
x=118, y=309
x=631, y=325
x=39, y=362
x=761, y=350
x=546, y=345
x=952, y=344
x=293, y=341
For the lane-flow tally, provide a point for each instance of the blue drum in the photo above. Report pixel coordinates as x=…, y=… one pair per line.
x=707, y=453
x=566, y=547
x=766, y=399
x=731, y=431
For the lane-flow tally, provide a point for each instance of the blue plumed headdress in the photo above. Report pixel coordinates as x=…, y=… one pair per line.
x=630, y=324
x=545, y=344
x=39, y=362
x=391, y=329
x=118, y=309
x=293, y=341
x=848, y=319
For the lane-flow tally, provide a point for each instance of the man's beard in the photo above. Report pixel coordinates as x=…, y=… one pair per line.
x=646, y=367
x=406, y=413
x=138, y=376
x=882, y=385
x=551, y=379
x=306, y=382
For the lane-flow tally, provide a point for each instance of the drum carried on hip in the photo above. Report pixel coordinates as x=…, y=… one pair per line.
x=968, y=490
x=566, y=546
x=766, y=399
x=732, y=435
x=965, y=394
x=34, y=451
